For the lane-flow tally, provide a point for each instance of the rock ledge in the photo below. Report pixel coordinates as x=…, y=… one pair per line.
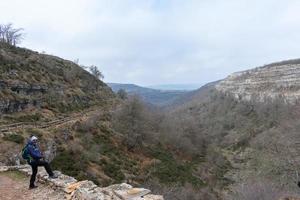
x=86, y=190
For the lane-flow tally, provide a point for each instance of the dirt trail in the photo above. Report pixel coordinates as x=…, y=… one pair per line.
x=9, y=128
x=14, y=186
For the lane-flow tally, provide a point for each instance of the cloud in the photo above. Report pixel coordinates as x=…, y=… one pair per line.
x=159, y=41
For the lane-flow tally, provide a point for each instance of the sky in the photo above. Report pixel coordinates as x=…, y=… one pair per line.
x=156, y=42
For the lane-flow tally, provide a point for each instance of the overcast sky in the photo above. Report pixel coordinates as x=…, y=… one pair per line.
x=151, y=42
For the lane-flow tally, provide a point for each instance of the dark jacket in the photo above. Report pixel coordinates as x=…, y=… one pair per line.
x=34, y=151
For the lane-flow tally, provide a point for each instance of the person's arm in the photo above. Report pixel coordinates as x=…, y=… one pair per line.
x=35, y=154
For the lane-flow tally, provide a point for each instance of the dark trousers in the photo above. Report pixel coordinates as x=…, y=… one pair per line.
x=34, y=165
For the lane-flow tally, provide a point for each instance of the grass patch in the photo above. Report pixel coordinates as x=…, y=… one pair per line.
x=19, y=139
x=25, y=118
x=15, y=175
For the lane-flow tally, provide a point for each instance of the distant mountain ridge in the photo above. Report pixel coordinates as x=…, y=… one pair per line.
x=152, y=96
x=194, y=96
x=187, y=87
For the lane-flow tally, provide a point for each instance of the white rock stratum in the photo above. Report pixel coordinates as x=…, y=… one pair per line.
x=265, y=83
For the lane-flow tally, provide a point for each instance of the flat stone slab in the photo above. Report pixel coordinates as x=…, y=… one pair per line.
x=3, y=168
x=86, y=194
x=131, y=193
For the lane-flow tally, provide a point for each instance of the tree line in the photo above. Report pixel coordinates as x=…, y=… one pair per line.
x=11, y=35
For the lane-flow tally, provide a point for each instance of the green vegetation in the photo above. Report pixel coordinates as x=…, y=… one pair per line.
x=71, y=163
x=19, y=139
x=113, y=170
x=116, y=161
x=172, y=171
x=97, y=145
x=16, y=175
x=24, y=118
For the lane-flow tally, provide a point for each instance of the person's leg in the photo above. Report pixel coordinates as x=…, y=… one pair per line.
x=47, y=167
x=34, y=172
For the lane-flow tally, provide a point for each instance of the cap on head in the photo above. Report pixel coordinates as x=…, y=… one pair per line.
x=33, y=138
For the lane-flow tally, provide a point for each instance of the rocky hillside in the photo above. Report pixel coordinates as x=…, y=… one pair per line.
x=70, y=111
x=258, y=138
x=45, y=85
x=64, y=105
x=280, y=79
x=209, y=145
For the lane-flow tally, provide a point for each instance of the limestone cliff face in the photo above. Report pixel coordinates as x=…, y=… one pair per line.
x=265, y=83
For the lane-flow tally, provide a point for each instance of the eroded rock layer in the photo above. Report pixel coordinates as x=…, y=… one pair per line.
x=265, y=83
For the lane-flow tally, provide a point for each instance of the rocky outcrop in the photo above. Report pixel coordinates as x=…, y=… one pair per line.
x=87, y=190
x=278, y=80
x=13, y=104
x=23, y=88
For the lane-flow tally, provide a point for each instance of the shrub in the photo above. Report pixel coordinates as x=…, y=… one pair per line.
x=19, y=139
x=29, y=118
x=170, y=171
x=257, y=190
x=113, y=170
x=71, y=163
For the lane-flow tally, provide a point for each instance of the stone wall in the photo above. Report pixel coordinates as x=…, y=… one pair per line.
x=86, y=190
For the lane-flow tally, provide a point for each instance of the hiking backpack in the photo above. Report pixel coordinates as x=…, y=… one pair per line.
x=25, y=153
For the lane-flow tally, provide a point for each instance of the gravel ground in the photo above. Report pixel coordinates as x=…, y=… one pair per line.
x=14, y=186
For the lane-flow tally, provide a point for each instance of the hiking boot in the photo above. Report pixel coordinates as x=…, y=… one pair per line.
x=53, y=176
x=32, y=187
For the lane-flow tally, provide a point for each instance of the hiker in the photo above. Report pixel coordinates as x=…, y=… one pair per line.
x=34, y=156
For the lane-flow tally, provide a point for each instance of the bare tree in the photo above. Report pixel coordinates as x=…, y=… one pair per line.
x=258, y=190
x=131, y=120
x=1, y=33
x=76, y=61
x=95, y=71
x=10, y=35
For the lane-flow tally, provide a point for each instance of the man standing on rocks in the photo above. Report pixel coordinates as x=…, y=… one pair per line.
x=33, y=155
